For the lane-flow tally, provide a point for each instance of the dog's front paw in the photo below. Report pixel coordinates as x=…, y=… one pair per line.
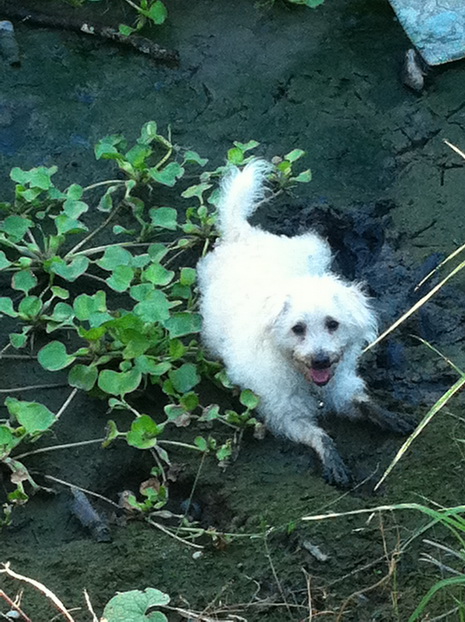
x=337, y=474
x=335, y=470
x=386, y=419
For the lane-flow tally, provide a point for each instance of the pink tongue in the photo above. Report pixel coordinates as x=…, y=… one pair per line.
x=320, y=376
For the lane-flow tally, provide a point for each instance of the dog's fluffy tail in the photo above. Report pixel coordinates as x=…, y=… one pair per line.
x=241, y=191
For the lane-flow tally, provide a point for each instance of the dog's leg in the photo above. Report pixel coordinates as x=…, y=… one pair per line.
x=349, y=399
x=301, y=430
x=383, y=418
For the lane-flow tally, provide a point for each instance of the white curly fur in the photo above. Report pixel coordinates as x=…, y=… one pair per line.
x=256, y=288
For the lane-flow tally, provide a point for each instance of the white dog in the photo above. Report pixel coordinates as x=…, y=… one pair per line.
x=284, y=325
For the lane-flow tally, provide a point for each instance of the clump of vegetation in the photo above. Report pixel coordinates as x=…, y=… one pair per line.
x=128, y=307
x=146, y=11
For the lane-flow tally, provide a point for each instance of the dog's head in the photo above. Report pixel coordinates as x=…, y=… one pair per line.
x=320, y=321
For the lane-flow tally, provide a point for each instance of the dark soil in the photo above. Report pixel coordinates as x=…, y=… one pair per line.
x=387, y=192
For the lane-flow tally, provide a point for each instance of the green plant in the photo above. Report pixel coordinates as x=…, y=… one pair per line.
x=147, y=11
x=137, y=606
x=140, y=326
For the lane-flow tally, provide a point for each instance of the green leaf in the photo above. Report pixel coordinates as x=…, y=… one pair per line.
x=155, y=308
x=157, y=274
x=16, y=227
x=8, y=441
x=24, y=280
x=235, y=155
x=183, y=323
x=24, y=262
x=94, y=334
x=30, y=307
x=193, y=156
x=40, y=177
x=74, y=208
x=60, y=292
x=126, y=30
x=107, y=147
x=249, y=399
x=111, y=432
x=148, y=133
x=75, y=191
x=4, y=263
x=148, y=365
x=132, y=606
x=143, y=433
x=164, y=217
x=168, y=175
x=113, y=257
x=304, y=177
x=121, y=278
x=119, y=383
x=19, y=176
x=34, y=417
x=173, y=412
x=190, y=401
x=106, y=201
x=157, y=252
x=6, y=307
x=184, y=378
x=53, y=356
x=181, y=291
x=196, y=191
x=294, y=155
x=188, y=276
x=201, y=443
x=140, y=261
x=69, y=271
x=246, y=146
x=157, y=12
x=19, y=340
x=83, y=377
x=65, y=224
x=62, y=312
x=137, y=155
x=177, y=349
x=85, y=306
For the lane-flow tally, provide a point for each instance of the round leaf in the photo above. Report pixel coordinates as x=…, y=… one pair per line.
x=53, y=356
x=132, y=606
x=119, y=383
x=143, y=433
x=34, y=417
x=83, y=377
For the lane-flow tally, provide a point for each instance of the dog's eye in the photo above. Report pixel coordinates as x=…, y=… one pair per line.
x=331, y=324
x=299, y=329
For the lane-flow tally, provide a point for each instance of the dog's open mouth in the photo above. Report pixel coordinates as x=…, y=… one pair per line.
x=319, y=376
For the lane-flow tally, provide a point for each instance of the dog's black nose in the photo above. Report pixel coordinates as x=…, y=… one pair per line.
x=321, y=361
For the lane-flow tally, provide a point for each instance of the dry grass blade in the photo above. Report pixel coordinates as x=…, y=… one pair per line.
x=442, y=401
x=39, y=587
x=416, y=306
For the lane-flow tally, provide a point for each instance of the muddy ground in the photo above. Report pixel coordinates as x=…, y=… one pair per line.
x=326, y=81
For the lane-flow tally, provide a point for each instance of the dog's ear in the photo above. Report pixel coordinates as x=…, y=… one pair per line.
x=359, y=313
x=274, y=307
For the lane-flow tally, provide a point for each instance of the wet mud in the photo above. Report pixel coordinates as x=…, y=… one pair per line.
x=388, y=194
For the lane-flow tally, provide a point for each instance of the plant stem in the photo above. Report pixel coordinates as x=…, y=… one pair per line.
x=14, y=606
x=44, y=450
x=173, y=535
x=99, y=249
x=41, y=588
x=66, y=403
x=34, y=387
x=109, y=182
x=179, y=444
x=87, y=492
x=93, y=233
